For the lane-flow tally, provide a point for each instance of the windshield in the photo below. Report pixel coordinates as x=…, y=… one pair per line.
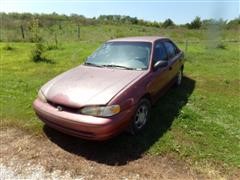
x=127, y=55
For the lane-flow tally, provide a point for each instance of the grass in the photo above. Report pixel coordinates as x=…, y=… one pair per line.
x=198, y=122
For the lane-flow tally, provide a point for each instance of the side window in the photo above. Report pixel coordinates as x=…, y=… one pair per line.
x=171, y=49
x=159, y=52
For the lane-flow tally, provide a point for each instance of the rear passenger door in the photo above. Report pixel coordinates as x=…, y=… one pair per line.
x=174, y=58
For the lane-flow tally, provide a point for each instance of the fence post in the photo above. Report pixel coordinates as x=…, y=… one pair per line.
x=22, y=31
x=78, y=32
x=186, y=46
x=56, y=40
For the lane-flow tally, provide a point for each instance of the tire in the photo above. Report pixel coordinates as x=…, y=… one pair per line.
x=141, y=117
x=179, y=78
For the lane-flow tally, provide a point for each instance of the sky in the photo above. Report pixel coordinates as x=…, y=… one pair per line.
x=180, y=11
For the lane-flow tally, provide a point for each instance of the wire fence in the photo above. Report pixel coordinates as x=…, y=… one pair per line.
x=217, y=43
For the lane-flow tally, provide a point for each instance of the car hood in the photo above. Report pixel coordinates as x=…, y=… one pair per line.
x=86, y=85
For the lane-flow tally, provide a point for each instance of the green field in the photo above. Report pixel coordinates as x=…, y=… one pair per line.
x=198, y=122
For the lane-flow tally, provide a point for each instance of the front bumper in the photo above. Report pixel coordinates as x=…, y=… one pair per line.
x=84, y=126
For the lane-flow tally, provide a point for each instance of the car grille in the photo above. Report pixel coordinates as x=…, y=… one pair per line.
x=61, y=107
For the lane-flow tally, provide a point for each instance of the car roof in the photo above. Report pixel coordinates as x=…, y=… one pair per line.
x=138, y=39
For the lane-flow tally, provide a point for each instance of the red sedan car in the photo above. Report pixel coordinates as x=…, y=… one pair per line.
x=113, y=90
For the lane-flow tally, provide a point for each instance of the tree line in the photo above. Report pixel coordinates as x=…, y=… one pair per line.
x=11, y=20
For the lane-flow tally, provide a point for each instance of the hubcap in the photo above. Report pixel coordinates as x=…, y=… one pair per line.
x=179, y=79
x=141, y=116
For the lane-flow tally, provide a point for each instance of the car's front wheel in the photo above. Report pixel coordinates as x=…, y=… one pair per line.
x=141, y=116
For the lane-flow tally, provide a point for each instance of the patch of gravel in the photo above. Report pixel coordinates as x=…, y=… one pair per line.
x=33, y=172
x=6, y=173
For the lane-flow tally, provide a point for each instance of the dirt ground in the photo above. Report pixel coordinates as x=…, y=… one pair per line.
x=26, y=156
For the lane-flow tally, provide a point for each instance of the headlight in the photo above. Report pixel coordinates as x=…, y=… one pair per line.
x=102, y=111
x=41, y=96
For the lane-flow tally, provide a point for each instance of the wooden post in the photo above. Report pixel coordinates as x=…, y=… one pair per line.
x=22, y=31
x=186, y=46
x=78, y=32
x=56, y=40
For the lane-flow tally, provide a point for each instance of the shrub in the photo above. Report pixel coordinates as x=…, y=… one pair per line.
x=8, y=47
x=221, y=46
x=52, y=47
x=216, y=45
x=144, y=30
x=119, y=33
x=37, y=53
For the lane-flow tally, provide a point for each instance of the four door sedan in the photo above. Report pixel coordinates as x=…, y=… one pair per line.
x=113, y=90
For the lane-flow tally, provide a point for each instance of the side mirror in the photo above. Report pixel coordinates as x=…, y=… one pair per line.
x=160, y=64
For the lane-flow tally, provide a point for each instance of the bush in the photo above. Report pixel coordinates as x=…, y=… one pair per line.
x=118, y=34
x=216, y=45
x=37, y=53
x=7, y=47
x=221, y=46
x=52, y=47
x=144, y=30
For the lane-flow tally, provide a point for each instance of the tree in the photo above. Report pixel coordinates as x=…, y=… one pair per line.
x=195, y=24
x=168, y=22
x=34, y=29
x=234, y=24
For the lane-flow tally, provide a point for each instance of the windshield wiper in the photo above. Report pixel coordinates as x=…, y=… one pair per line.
x=92, y=64
x=118, y=66
x=111, y=65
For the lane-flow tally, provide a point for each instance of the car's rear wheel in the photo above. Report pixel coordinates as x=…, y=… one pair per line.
x=141, y=116
x=179, y=77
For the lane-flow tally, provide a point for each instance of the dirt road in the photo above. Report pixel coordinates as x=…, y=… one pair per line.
x=47, y=157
